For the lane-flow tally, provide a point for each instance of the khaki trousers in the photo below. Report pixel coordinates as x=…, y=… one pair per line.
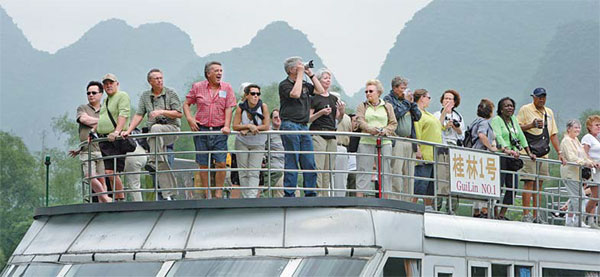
x=322, y=161
x=404, y=185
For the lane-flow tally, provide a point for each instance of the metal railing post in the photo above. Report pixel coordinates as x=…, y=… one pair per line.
x=379, y=166
x=89, y=169
x=435, y=176
x=580, y=210
x=269, y=191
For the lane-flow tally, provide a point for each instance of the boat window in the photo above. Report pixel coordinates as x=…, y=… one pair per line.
x=477, y=271
x=230, y=267
x=500, y=270
x=42, y=269
x=16, y=270
x=522, y=271
x=402, y=267
x=559, y=272
x=443, y=271
x=115, y=269
x=330, y=266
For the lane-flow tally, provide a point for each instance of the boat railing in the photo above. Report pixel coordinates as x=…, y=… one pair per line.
x=187, y=184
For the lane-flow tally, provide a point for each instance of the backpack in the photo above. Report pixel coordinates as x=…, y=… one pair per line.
x=468, y=140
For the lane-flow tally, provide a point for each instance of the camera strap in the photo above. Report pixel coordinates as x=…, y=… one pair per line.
x=112, y=119
x=510, y=131
x=164, y=101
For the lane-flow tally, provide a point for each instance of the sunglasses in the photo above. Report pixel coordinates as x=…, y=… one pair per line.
x=254, y=93
x=92, y=92
x=369, y=91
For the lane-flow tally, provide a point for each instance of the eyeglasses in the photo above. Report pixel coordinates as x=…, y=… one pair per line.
x=369, y=91
x=254, y=93
x=92, y=92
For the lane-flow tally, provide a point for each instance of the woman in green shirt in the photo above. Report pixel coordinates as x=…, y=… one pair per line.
x=377, y=118
x=510, y=140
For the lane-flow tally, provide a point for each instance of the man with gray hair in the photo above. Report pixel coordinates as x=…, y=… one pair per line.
x=407, y=113
x=163, y=107
x=294, y=98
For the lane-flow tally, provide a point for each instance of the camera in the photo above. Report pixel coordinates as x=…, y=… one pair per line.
x=515, y=142
x=93, y=135
x=161, y=120
x=309, y=64
x=456, y=123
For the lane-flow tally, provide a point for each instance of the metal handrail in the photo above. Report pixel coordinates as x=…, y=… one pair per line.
x=270, y=188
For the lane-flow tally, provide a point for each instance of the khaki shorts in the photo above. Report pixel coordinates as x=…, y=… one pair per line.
x=97, y=165
x=529, y=168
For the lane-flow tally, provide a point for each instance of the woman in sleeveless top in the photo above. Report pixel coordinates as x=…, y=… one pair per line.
x=249, y=120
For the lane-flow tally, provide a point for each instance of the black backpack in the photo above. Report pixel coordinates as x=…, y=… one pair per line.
x=468, y=140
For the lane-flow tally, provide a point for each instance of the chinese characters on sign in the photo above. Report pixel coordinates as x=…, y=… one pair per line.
x=476, y=174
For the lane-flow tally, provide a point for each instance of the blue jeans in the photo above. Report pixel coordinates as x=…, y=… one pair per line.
x=307, y=161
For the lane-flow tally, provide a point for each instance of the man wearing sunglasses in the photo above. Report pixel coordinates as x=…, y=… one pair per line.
x=294, y=98
x=87, y=117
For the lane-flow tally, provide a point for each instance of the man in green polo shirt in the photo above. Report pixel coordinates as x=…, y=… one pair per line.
x=163, y=107
x=114, y=115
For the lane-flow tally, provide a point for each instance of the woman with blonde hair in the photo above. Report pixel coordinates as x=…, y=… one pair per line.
x=377, y=118
x=591, y=145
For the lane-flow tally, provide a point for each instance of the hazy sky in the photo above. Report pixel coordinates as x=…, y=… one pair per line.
x=352, y=37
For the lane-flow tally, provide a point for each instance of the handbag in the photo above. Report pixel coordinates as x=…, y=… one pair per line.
x=586, y=173
x=511, y=164
x=539, y=144
x=123, y=145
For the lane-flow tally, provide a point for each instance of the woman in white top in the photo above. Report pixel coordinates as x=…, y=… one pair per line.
x=249, y=119
x=453, y=128
x=591, y=144
x=452, y=121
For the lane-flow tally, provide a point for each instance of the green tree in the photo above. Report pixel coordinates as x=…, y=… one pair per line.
x=21, y=191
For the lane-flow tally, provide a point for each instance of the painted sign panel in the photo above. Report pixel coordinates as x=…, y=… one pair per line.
x=474, y=174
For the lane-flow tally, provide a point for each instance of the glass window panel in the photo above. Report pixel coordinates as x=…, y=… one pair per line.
x=230, y=267
x=559, y=272
x=115, y=269
x=478, y=271
x=402, y=267
x=500, y=270
x=441, y=274
x=16, y=271
x=522, y=271
x=42, y=270
x=330, y=266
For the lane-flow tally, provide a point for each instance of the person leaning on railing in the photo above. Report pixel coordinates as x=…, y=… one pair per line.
x=249, y=120
x=591, y=144
x=510, y=140
x=428, y=128
x=215, y=100
x=377, y=118
x=483, y=138
x=574, y=152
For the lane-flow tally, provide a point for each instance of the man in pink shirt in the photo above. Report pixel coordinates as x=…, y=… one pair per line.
x=214, y=100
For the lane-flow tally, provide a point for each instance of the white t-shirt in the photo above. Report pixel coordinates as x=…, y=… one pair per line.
x=449, y=136
x=594, y=146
